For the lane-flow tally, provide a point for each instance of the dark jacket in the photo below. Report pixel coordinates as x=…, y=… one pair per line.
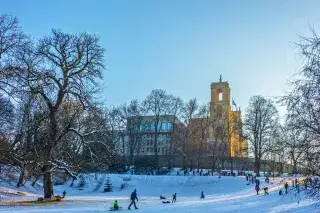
x=134, y=196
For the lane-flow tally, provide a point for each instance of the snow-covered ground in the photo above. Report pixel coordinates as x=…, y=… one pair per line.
x=228, y=194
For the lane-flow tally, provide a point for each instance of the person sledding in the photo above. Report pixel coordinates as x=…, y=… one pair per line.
x=174, y=198
x=162, y=198
x=280, y=192
x=116, y=205
x=133, y=199
x=202, y=195
x=265, y=189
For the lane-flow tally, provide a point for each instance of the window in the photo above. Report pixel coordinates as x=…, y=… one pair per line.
x=169, y=126
x=152, y=126
x=147, y=127
x=220, y=96
x=162, y=149
x=163, y=126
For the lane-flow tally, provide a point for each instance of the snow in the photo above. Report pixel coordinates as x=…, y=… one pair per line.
x=227, y=194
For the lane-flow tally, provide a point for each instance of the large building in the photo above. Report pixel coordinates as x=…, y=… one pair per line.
x=140, y=136
x=209, y=141
x=219, y=135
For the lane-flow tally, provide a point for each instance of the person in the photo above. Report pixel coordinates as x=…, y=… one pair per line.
x=202, y=195
x=298, y=188
x=162, y=198
x=116, y=205
x=296, y=181
x=267, y=180
x=265, y=189
x=280, y=192
x=247, y=178
x=257, y=182
x=305, y=184
x=292, y=182
x=133, y=199
x=64, y=194
x=257, y=189
x=174, y=198
x=286, y=187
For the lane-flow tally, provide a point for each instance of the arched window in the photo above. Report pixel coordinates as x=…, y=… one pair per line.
x=220, y=96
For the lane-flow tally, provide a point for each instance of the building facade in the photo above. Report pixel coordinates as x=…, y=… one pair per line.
x=141, y=134
x=219, y=136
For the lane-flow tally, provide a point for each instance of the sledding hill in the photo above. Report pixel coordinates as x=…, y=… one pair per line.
x=227, y=194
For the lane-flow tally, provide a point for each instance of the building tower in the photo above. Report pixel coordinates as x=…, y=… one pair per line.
x=219, y=110
x=227, y=124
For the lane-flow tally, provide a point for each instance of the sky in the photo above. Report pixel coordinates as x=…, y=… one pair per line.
x=182, y=46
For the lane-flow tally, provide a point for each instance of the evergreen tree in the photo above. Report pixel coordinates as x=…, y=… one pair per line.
x=108, y=185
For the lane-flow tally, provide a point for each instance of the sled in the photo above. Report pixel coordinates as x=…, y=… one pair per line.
x=165, y=201
x=112, y=208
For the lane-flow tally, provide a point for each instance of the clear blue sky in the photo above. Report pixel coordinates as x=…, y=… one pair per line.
x=182, y=46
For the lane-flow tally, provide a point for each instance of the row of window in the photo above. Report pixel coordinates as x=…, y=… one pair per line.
x=160, y=142
x=160, y=137
x=161, y=150
x=162, y=126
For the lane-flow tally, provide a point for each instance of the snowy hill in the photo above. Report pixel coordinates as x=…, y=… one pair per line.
x=227, y=194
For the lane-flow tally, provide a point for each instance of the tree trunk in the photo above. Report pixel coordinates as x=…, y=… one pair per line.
x=22, y=173
x=35, y=181
x=156, y=146
x=294, y=167
x=47, y=183
x=257, y=166
x=213, y=163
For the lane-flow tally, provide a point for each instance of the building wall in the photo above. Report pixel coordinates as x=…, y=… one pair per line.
x=141, y=135
x=223, y=128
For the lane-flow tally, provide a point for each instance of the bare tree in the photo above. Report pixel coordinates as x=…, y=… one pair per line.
x=188, y=113
x=62, y=69
x=261, y=119
x=158, y=106
x=175, y=108
x=303, y=102
x=295, y=142
x=203, y=124
x=6, y=114
x=130, y=119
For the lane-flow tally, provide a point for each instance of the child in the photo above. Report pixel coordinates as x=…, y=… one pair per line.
x=266, y=191
x=115, y=205
x=280, y=192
